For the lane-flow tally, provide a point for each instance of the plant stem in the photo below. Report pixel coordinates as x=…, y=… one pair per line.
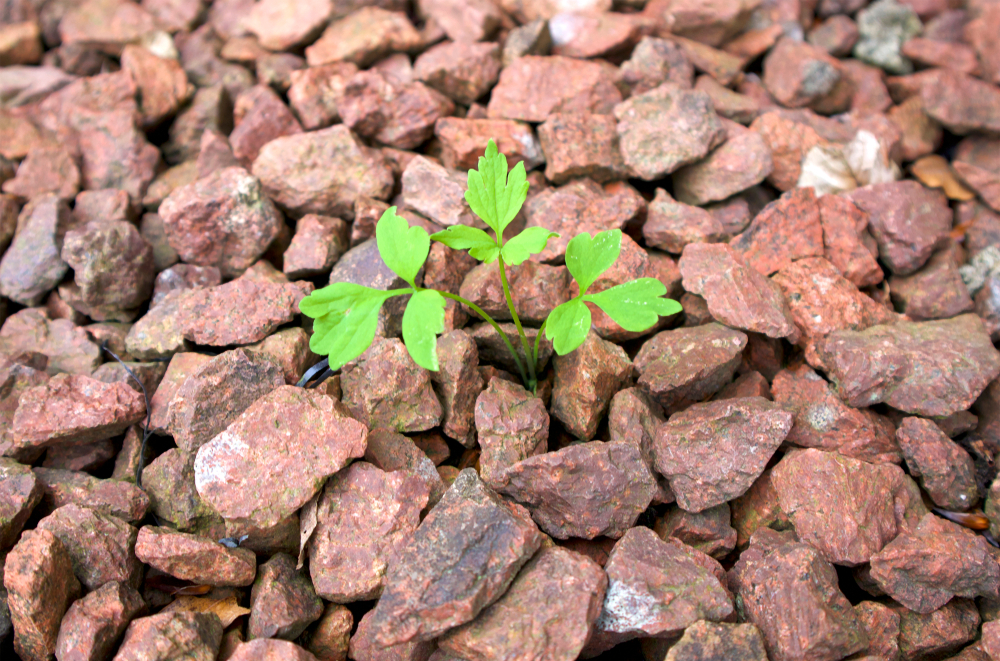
x=503, y=336
x=517, y=322
x=538, y=339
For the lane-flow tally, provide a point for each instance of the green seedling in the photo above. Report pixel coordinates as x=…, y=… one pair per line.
x=346, y=315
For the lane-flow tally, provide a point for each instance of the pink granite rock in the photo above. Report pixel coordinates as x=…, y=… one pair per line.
x=194, y=558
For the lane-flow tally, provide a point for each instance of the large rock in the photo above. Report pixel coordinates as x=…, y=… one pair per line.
x=945, y=470
x=276, y=455
x=533, y=87
x=712, y=452
x=113, y=497
x=584, y=490
x=20, y=491
x=462, y=558
x=931, y=368
x=194, y=558
x=243, y=311
x=511, y=425
x=585, y=381
x=785, y=230
x=282, y=601
x=742, y=161
x=392, y=112
x=94, y=624
x=172, y=635
x=32, y=265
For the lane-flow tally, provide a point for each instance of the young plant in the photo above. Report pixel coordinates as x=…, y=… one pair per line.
x=346, y=315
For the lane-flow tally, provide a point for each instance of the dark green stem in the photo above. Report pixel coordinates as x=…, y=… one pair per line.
x=503, y=336
x=533, y=380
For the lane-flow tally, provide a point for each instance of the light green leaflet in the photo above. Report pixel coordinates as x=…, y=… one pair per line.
x=423, y=320
x=403, y=248
x=346, y=319
x=492, y=194
x=587, y=258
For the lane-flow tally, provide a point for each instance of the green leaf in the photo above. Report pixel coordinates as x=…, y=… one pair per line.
x=346, y=317
x=492, y=195
x=403, y=248
x=422, y=321
x=636, y=305
x=479, y=244
x=529, y=242
x=568, y=325
x=587, y=258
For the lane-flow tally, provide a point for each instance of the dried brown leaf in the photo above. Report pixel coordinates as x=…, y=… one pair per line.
x=226, y=607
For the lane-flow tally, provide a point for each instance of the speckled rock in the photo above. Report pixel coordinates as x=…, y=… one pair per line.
x=742, y=161
x=457, y=384
x=672, y=225
x=511, y=425
x=173, y=497
x=937, y=634
x=737, y=294
x=364, y=36
x=844, y=240
x=685, y=365
x=20, y=491
x=330, y=639
x=243, y=311
x=654, y=62
x=392, y=112
x=157, y=334
x=789, y=141
x=275, y=456
x=585, y=381
x=791, y=594
x=282, y=602
x=270, y=649
x=172, y=634
x=785, y=230
x=571, y=586
x=462, y=141
x=708, y=531
x=581, y=145
x=936, y=291
x=666, y=128
x=583, y=490
x=112, y=497
x=798, y=74
x=364, y=518
x=288, y=349
x=38, y=576
x=364, y=647
x=318, y=243
x=711, y=641
x=280, y=26
x=194, y=558
x=533, y=87
x=32, y=265
x=656, y=588
x=633, y=417
x=823, y=421
x=961, y=103
x=100, y=546
x=385, y=388
x=713, y=452
x=391, y=451
x=463, y=71
x=436, y=192
x=757, y=508
x=94, y=624
x=944, y=469
x=977, y=163
x=930, y=368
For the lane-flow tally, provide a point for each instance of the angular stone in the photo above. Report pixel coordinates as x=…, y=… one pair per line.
x=988, y=306
x=573, y=586
x=316, y=93
x=953, y=561
x=581, y=145
x=270, y=649
x=737, y=294
x=364, y=647
x=930, y=368
x=672, y=225
x=944, y=469
x=45, y=171
x=474, y=578
x=737, y=107
x=94, y=624
x=585, y=34
x=841, y=506
x=457, y=384
x=707, y=531
x=798, y=74
x=184, y=276
x=462, y=71
x=686, y=365
x=282, y=26
x=322, y=172
x=20, y=491
x=318, y=243
x=436, y=192
x=365, y=517
x=665, y=129
x=242, y=311
x=756, y=509
x=654, y=62
x=511, y=425
x=791, y=594
x=172, y=634
x=392, y=112
x=633, y=417
x=824, y=422
x=535, y=289
x=656, y=588
x=194, y=558
x=713, y=452
x=261, y=116
x=282, y=602
x=908, y=221
x=977, y=163
x=533, y=87
x=742, y=161
x=463, y=141
x=38, y=576
x=385, y=388
x=784, y=231
x=709, y=641
x=331, y=637
x=32, y=265
x=937, y=634
x=961, y=103
x=363, y=37
x=169, y=481
x=111, y=497
x=68, y=347
x=163, y=84
x=215, y=395
x=936, y=291
x=391, y=451
x=492, y=349
x=585, y=381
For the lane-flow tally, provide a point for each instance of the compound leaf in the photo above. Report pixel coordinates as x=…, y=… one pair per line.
x=529, y=242
x=587, y=258
x=568, y=325
x=479, y=244
x=346, y=317
x=492, y=195
x=635, y=305
x=403, y=248
x=422, y=321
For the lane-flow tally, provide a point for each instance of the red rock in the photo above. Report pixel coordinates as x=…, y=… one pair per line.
x=436, y=192
x=844, y=235
x=82, y=457
x=194, y=558
x=724, y=67
x=322, y=172
x=403, y=614
x=744, y=160
x=939, y=633
x=977, y=163
x=931, y=368
x=945, y=470
x=172, y=634
x=49, y=170
x=391, y=112
x=756, y=509
x=462, y=141
x=20, y=43
x=738, y=108
x=457, y=384
x=318, y=243
x=20, y=491
x=173, y=497
x=462, y=71
x=94, y=624
x=836, y=35
x=111, y=497
x=961, y=103
x=978, y=32
x=494, y=350
x=536, y=289
x=330, y=638
x=350, y=550
x=580, y=206
x=708, y=531
x=511, y=425
x=653, y=62
x=532, y=38
x=364, y=647
x=799, y=74
x=261, y=117
x=184, y=276
x=748, y=384
x=282, y=602
x=953, y=562
x=656, y=589
x=841, y=506
x=581, y=145
x=705, y=641
x=713, y=452
x=737, y=294
x=68, y=347
x=362, y=265
x=987, y=306
x=824, y=422
x=364, y=36
x=270, y=649
x=678, y=367
x=181, y=366
x=392, y=451
x=216, y=393
x=574, y=584
x=785, y=230
x=310, y=442
x=289, y=349
x=533, y=87
x=665, y=129
x=283, y=26
x=936, y=291
x=210, y=108
x=106, y=25
x=163, y=85
x=100, y=546
x=116, y=155
x=316, y=93
x=214, y=316
x=789, y=141
x=585, y=381
x=633, y=417
x=32, y=266
x=590, y=34
x=791, y=594
x=672, y=225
